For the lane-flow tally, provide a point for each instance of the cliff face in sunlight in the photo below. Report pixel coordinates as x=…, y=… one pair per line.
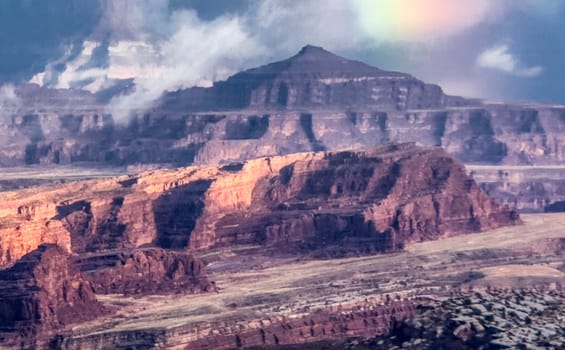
x=139, y=235
x=369, y=200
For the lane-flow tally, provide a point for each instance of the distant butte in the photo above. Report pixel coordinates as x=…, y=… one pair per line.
x=314, y=78
x=315, y=60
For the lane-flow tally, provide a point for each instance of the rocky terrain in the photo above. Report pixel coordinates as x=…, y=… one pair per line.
x=511, y=319
x=45, y=291
x=145, y=271
x=41, y=293
x=312, y=101
x=338, y=235
x=433, y=295
x=526, y=188
x=487, y=319
x=373, y=200
x=138, y=235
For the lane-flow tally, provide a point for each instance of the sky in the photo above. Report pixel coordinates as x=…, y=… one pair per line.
x=496, y=49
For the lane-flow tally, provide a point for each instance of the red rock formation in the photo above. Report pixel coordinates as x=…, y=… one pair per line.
x=25, y=226
x=323, y=325
x=371, y=200
x=146, y=271
x=363, y=320
x=363, y=201
x=43, y=292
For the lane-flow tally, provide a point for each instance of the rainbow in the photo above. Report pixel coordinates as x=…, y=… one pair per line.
x=417, y=19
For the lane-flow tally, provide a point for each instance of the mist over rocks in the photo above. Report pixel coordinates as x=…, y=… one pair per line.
x=312, y=101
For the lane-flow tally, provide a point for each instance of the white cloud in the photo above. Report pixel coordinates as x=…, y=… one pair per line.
x=287, y=25
x=500, y=58
x=197, y=53
x=8, y=96
x=133, y=19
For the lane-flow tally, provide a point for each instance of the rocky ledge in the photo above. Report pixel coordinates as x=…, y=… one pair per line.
x=137, y=235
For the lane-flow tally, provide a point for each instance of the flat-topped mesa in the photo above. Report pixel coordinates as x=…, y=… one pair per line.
x=374, y=200
x=314, y=78
x=44, y=291
x=371, y=200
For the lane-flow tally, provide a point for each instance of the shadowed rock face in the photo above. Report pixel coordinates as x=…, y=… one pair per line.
x=372, y=200
x=145, y=271
x=176, y=213
x=44, y=291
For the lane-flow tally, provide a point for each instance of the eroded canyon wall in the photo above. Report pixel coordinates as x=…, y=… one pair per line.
x=371, y=200
x=495, y=134
x=313, y=101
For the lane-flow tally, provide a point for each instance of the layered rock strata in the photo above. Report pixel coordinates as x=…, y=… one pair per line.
x=42, y=292
x=312, y=101
x=314, y=78
x=483, y=134
x=372, y=200
x=145, y=271
x=528, y=189
x=364, y=321
x=360, y=321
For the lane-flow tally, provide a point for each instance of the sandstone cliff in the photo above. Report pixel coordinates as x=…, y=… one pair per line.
x=372, y=200
x=486, y=134
x=44, y=292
